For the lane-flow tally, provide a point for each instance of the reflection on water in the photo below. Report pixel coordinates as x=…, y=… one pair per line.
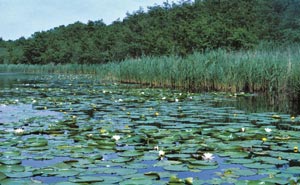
x=50, y=180
x=44, y=163
x=15, y=113
x=9, y=80
x=263, y=103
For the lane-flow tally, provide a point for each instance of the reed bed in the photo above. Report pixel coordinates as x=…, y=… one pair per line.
x=271, y=70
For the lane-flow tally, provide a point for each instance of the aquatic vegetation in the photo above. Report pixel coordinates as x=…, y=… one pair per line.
x=161, y=153
x=268, y=130
x=116, y=137
x=273, y=71
x=87, y=136
x=19, y=131
x=208, y=156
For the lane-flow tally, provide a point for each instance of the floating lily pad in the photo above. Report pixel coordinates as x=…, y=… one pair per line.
x=137, y=181
x=18, y=174
x=122, y=160
x=10, y=161
x=87, y=114
x=131, y=153
x=177, y=168
x=86, y=179
x=271, y=160
x=11, y=181
x=2, y=176
x=259, y=165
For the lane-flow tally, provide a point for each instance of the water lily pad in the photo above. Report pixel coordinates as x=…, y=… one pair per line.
x=11, y=168
x=18, y=174
x=122, y=160
x=36, y=142
x=66, y=183
x=10, y=161
x=275, y=180
x=137, y=181
x=259, y=165
x=131, y=153
x=292, y=170
x=239, y=161
x=178, y=156
x=178, y=168
x=271, y=160
x=111, y=179
x=10, y=181
x=244, y=172
x=67, y=172
x=86, y=179
x=2, y=176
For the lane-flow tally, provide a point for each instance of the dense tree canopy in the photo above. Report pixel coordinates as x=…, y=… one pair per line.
x=171, y=29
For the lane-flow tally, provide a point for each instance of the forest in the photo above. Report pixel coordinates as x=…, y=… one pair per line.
x=171, y=29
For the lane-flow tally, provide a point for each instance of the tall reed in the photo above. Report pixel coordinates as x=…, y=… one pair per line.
x=264, y=69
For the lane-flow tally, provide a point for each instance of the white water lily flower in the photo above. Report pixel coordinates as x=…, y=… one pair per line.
x=176, y=100
x=161, y=153
x=208, y=156
x=189, y=180
x=116, y=137
x=243, y=129
x=19, y=131
x=268, y=130
x=163, y=98
x=156, y=148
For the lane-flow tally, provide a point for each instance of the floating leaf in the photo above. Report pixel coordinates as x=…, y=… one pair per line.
x=18, y=174
x=86, y=179
x=178, y=168
x=258, y=165
x=2, y=176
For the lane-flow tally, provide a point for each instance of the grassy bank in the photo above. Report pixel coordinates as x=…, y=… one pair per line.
x=261, y=70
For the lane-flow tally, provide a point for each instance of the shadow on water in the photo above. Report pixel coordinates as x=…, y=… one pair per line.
x=263, y=103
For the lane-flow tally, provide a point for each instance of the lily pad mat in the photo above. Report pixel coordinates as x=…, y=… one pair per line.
x=75, y=141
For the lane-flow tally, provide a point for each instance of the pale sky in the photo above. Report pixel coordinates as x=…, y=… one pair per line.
x=24, y=17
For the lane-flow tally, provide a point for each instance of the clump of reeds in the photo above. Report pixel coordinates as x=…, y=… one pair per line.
x=264, y=69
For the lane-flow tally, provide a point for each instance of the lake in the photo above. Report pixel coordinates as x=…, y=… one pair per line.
x=68, y=129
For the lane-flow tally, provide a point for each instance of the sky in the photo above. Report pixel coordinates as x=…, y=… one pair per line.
x=21, y=18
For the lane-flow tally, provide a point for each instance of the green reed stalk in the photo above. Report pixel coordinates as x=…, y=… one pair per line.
x=265, y=69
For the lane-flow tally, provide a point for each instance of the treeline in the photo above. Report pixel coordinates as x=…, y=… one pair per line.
x=171, y=29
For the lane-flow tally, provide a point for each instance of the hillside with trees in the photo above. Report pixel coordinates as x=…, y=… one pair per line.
x=171, y=29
